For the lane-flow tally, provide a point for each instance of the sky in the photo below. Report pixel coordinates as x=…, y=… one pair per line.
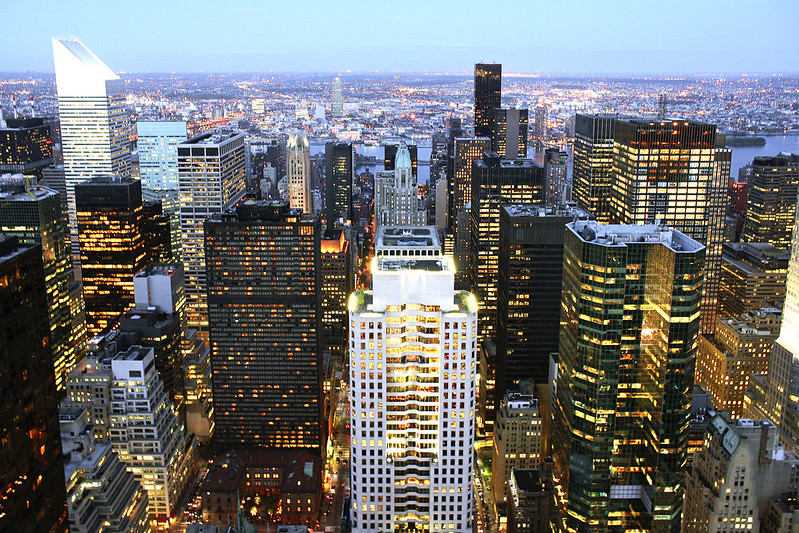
x=562, y=37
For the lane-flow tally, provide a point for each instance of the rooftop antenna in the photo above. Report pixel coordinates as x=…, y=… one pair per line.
x=661, y=106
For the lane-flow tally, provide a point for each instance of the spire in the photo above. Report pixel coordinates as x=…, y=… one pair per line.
x=403, y=159
x=78, y=71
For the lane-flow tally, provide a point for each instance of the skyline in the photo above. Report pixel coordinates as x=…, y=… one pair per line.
x=580, y=38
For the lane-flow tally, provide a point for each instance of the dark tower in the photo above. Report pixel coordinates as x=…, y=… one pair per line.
x=487, y=96
x=339, y=173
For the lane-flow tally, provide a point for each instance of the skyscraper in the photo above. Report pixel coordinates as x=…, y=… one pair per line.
x=94, y=125
x=158, y=169
x=509, y=132
x=487, y=96
x=631, y=297
x=265, y=325
x=338, y=277
x=412, y=372
x=32, y=495
x=109, y=212
x=397, y=194
x=339, y=173
x=556, y=172
x=465, y=150
x=541, y=120
x=211, y=179
x=33, y=214
x=25, y=147
x=771, y=205
x=298, y=162
x=752, y=276
x=337, y=103
x=390, y=156
x=593, y=164
x=495, y=181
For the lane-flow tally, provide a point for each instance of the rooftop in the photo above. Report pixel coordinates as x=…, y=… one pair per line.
x=407, y=236
x=536, y=210
x=593, y=232
x=13, y=188
x=159, y=269
x=211, y=138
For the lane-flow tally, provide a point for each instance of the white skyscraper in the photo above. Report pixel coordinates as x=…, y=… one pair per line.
x=413, y=356
x=94, y=125
x=397, y=195
x=337, y=105
x=210, y=180
x=298, y=164
x=158, y=169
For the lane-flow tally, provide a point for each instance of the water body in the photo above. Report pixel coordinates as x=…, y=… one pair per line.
x=743, y=155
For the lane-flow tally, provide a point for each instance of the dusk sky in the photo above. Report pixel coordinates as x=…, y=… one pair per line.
x=563, y=37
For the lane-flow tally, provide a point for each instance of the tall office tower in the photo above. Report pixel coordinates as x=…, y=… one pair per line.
x=397, y=195
x=466, y=150
x=101, y=494
x=337, y=99
x=25, y=147
x=390, y=156
x=338, y=280
x=752, y=276
x=509, y=132
x=264, y=285
x=339, y=174
x=298, y=156
x=157, y=232
x=94, y=124
x=32, y=492
x=740, y=347
x=487, y=96
x=541, y=120
x=556, y=163
x=735, y=476
x=771, y=206
x=531, y=501
x=197, y=369
x=158, y=167
x=412, y=352
x=33, y=214
x=631, y=297
x=516, y=441
x=438, y=157
x=671, y=171
x=119, y=385
x=109, y=214
x=593, y=164
x=211, y=179
x=529, y=276
x=495, y=181
x=441, y=204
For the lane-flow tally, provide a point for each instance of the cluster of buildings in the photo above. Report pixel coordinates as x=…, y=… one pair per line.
x=521, y=350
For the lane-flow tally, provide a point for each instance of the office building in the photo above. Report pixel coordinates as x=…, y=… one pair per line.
x=25, y=147
x=487, y=96
x=509, y=132
x=495, y=181
x=390, y=156
x=740, y=347
x=556, y=173
x=438, y=157
x=101, y=494
x=771, y=203
x=298, y=163
x=465, y=150
x=397, y=194
x=112, y=250
x=413, y=352
x=197, y=371
x=264, y=301
x=441, y=206
x=157, y=232
x=517, y=440
x=94, y=125
x=531, y=501
x=32, y=492
x=630, y=315
x=733, y=479
x=752, y=276
x=541, y=120
x=339, y=174
x=593, y=164
x=211, y=179
x=119, y=385
x=33, y=214
x=158, y=168
x=337, y=99
x=338, y=281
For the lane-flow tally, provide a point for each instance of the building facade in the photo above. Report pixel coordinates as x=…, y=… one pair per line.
x=264, y=298
x=487, y=96
x=771, y=202
x=339, y=173
x=298, y=169
x=630, y=318
x=413, y=355
x=753, y=275
x=465, y=150
x=210, y=179
x=593, y=163
x=397, y=194
x=509, y=132
x=25, y=147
